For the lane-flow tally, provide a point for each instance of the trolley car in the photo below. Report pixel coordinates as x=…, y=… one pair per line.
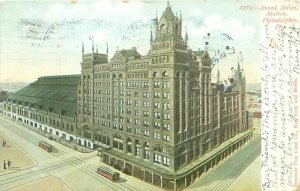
x=46, y=146
x=107, y=173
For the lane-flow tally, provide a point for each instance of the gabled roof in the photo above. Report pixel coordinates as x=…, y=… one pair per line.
x=130, y=53
x=126, y=55
x=199, y=52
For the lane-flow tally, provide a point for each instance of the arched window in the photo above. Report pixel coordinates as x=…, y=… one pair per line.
x=165, y=74
x=118, y=142
x=137, y=147
x=146, y=150
x=155, y=74
x=129, y=145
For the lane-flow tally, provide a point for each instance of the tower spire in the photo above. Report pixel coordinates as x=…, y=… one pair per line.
x=218, y=76
x=107, y=48
x=82, y=47
x=151, y=37
x=186, y=35
x=180, y=17
x=92, y=46
x=168, y=3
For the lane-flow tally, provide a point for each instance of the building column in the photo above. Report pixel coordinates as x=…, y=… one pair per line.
x=175, y=184
x=152, y=177
x=187, y=104
x=142, y=152
x=132, y=174
x=180, y=104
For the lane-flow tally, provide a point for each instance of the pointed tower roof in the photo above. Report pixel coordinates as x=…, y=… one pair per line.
x=82, y=47
x=218, y=76
x=168, y=13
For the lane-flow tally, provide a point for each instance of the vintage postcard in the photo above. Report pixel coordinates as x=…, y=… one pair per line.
x=146, y=95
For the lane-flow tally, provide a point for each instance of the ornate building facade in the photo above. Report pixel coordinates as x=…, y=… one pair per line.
x=157, y=117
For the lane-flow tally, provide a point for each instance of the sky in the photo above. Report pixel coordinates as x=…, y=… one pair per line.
x=39, y=38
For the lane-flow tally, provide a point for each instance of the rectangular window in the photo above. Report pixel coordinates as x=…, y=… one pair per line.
x=166, y=161
x=146, y=133
x=146, y=104
x=166, y=95
x=166, y=116
x=156, y=94
x=166, y=105
x=166, y=138
x=156, y=125
x=129, y=120
x=156, y=105
x=157, y=115
x=138, y=151
x=167, y=127
x=137, y=131
x=137, y=122
x=157, y=158
x=166, y=84
x=115, y=109
x=146, y=113
x=145, y=94
x=147, y=154
x=156, y=84
x=156, y=136
x=146, y=123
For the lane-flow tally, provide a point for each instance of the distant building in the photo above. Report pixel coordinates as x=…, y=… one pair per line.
x=150, y=116
x=256, y=118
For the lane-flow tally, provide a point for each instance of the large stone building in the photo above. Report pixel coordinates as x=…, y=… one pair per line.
x=158, y=116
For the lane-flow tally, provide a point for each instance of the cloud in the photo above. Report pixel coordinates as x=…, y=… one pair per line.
x=240, y=31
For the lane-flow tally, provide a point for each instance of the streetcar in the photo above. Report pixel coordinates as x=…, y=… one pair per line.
x=46, y=146
x=107, y=173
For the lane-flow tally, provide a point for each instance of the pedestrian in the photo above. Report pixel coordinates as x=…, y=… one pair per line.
x=9, y=163
x=3, y=143
x=4, y=165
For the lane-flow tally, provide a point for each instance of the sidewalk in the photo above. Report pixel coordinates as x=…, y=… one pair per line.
x=20, y=159
x=70, y=144
x=252, y=175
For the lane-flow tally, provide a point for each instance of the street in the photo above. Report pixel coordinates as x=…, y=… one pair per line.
x=76, y=170
x=228, y=173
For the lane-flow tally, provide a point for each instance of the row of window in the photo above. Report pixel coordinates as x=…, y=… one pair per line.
x=161, y=159
x=137, y=75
